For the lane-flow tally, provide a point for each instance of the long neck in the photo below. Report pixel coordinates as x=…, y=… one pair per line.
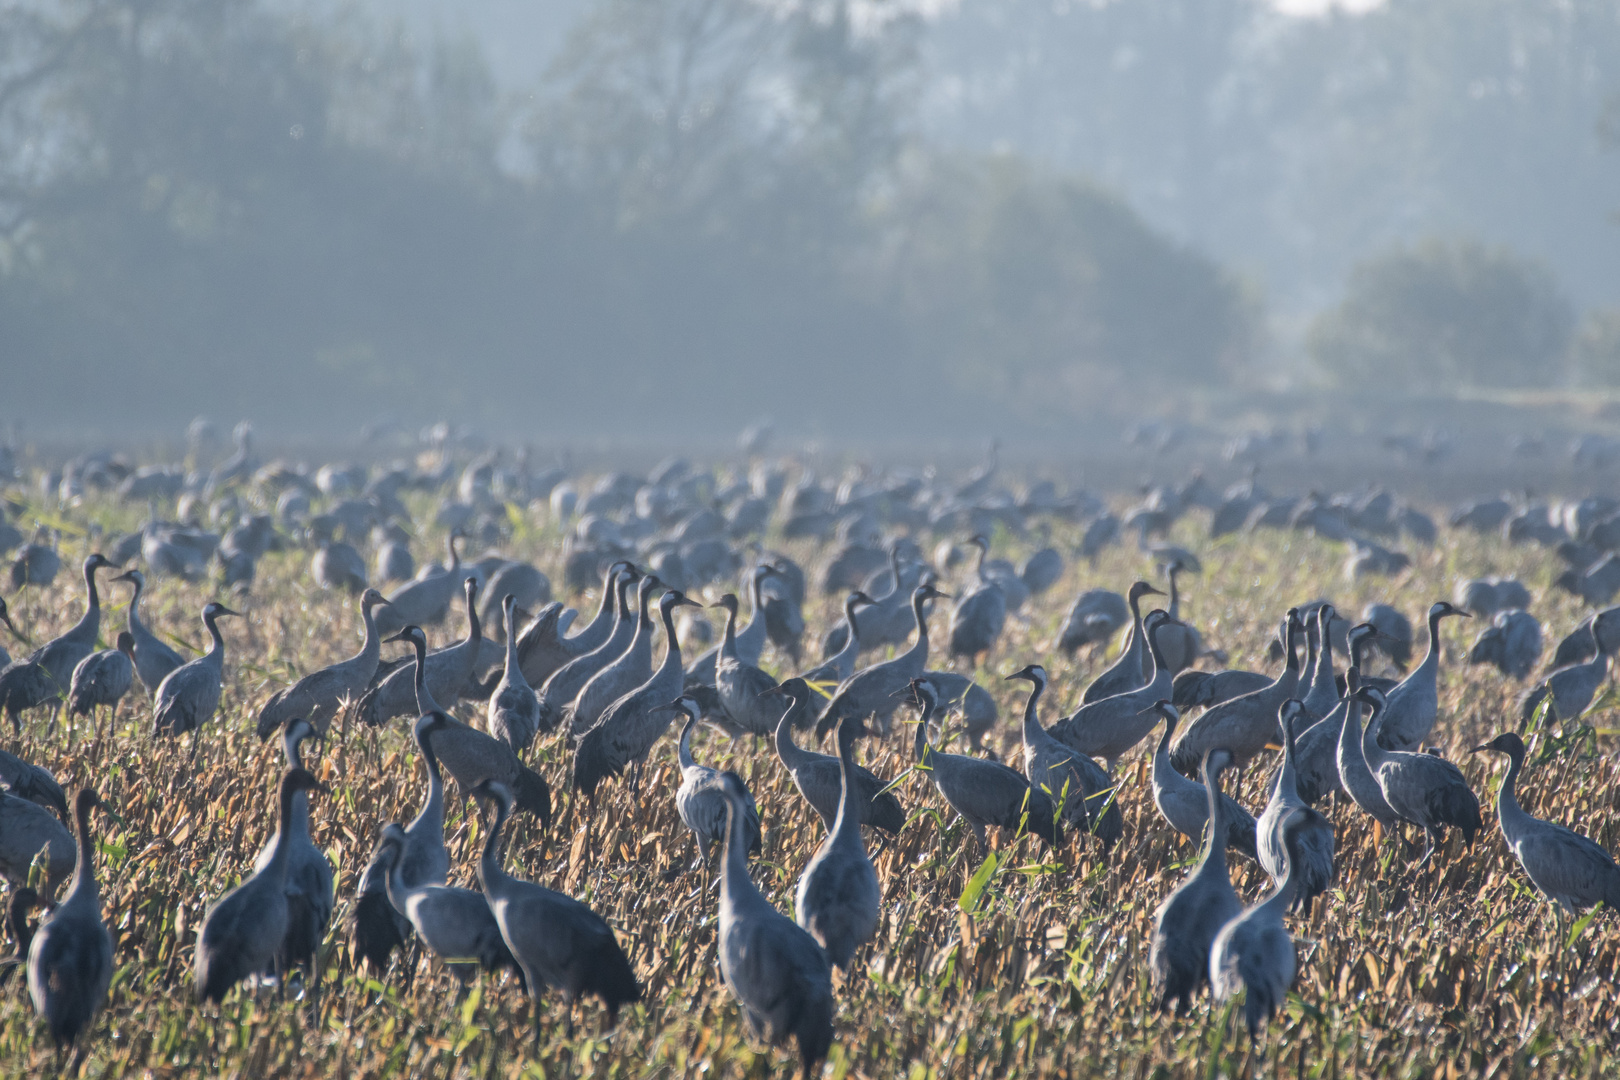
x=1032, y=720
x=847, y=828
x=1350, y=730
x=786, y=748
x=84, y=866
x=455, y=559
x=490, y=872
x=394, y=882
x=134, y=617
x=277, y=866
x=511, y=643
x=94, y=601
x=849, y=622
x=1370, y=749
x=1276, y=905
x=923, y=749
x=685, y=748
x=728, y=639
x=1324, y=652
x=1161, y=754
x=295, y=760
x=921, y=645
x=218, y=650
x=424, y=700
x=1357, y=648
x=672, y=641
x=1214, y=857
x=754, y=605
x=1509, y=814
x=1431, y=659
x=371, y=648
x=1175, y=592
x=475, y=631
x=433, y=805
x=978, y=568
x=735, y=883
x=604, y=610
x=1152, y=641
x=1288, y=777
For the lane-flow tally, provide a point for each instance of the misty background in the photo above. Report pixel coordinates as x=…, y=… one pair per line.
x=866, y=219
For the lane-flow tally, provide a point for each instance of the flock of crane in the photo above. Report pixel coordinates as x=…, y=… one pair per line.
x=1348, y=733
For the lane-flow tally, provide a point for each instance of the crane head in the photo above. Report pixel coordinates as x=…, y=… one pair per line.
x=1506, y=743
x=1032, y=673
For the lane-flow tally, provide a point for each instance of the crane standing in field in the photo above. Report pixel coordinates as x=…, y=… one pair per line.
x=70, y=961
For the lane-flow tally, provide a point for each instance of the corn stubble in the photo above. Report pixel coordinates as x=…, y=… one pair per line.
x=1455, y=971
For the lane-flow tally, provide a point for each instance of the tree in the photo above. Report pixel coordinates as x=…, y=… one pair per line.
x=1442, y=314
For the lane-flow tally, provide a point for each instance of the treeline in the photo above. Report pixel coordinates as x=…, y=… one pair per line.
x=711, y=210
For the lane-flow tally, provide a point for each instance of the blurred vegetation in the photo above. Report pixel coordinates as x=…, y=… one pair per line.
x=1445, y=313
x=1595, y=351
x=709, y=205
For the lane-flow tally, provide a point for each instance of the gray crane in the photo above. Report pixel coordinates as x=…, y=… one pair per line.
x=514, y=710
x=558, y=692
x=154, y=659
x=701, y=800
x=772, y=966
x=33, y=783
x=375, y=928
x=1086, y=795
x=841, y=664
x=309, y=888
x=1180, y=642
x=1187, y=923
x=750, y=639
x=1109, y=728
x=189, y=697
x=1512, y=643
x=1244, y=725
x=103, y=678
x=634, y=723
x=426, y=600
x=978, y=617
x=1394, y=633
x=1184, y=803
x=48, y=672
x=1312, y=856
x=819, y=777
x=1570, y=869
x=1254, y=952
x=556, y=940
x=446, y=671
x=1093, y=619
x=982, y=792
x=5, y=617
x=838, y=896
x=1355, y=778
x=1426, y=790
x=544, y=647
x=23, y=902
x=1207, y=689
x=1580, y=644
x=70, y=960
x=627, y=671
x=1132, y=670
x=879, y=689
x=1316, y=766
x=319, y=696
x=337, y=565
x=1322, y=696
x=1571, y=689
x=243, y=932
x=1414, y=705
x=25, y=829
x=742, y=686
x=455, y=924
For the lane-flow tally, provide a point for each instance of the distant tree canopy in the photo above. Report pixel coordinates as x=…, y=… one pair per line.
x=1595, y=352
x=1441, y=314
x=707, y=208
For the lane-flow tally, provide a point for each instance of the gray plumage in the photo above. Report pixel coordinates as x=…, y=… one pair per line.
x=319, y=696
x=1110, y=727
x=1129, y=671
x=1254, y=952
x=1571, y=689
x=1394, y=633
x=470, y=755
x=982, y=792
x=624, y=673
x=1094, y=618
x=446, y=671
x=841, y=664
x=1426, y=790
x=103, y=678
x=1207, y=689
x=47, y=674
x=700, y=799
x=1085, y=794
x=337, y=565
x=514, y=710
x=426, y=600
x=154, y=659
x=1245, y=725
x=1415, y=703
x=70, y=960
x=772, y=966
x=375, y=928
x=1355, y=778
x=741, y=685
x=1180, y=642
x=26, y=828
x=424, y=859
x=455, y=924
x=877, y=691
x=1312, y=856
x=1322, y=695
x=556, y=940
x=750, y=639
x=189, y=697
x=1316, y=765
x=29, y=781
x=244, y=930
x=838, y=895
x=1187, y=923
x=978, y=617
x=1569, y=869
x=309, y=888
x=819, y=776
x=559, y=690
x=631, y=726
x=1184, y=803
x=1511, y=644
